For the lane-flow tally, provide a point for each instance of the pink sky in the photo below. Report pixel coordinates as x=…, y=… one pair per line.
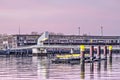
x=60, y=16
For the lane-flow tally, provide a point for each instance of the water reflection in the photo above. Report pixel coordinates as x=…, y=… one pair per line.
x=105, y=65
x=98, y=66
x=110, y=62
x=41, y=68
x=92, y=70
x=17, y=68
x=82, y=75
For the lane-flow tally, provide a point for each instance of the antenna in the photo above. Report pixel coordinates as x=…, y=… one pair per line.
x=101, y=30
x=19, y=29
x=78, y=30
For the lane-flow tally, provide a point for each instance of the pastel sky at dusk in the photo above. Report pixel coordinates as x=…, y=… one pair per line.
x=60, y=16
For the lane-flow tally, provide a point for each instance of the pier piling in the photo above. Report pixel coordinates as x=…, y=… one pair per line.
x=105, y=52
x=110, y=54
x=98, y=52
x=82, y=60
x=91, y=53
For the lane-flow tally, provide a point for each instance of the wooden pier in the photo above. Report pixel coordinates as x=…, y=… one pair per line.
x=85, y=58
x=104, y=53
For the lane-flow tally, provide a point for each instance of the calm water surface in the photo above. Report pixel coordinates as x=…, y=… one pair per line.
x=37, y=68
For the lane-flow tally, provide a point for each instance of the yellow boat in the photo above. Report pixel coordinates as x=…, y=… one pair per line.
x=67, y=56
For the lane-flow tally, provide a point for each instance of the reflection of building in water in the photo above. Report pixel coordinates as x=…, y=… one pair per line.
x=47, y=70
x=43, y=68
x=26, y=68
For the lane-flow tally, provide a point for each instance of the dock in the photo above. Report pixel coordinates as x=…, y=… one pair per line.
x=83, y=57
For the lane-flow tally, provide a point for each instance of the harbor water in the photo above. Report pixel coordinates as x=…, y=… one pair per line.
x=41, y=68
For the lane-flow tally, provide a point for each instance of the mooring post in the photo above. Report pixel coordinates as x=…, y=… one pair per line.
x=91, y=53
x=110, y=52
x=99, y=58
x=98, y=52
x=105, y=52
x=82, y=58
x=110, y=55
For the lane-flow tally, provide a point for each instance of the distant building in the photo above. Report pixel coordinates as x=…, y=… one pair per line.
x=13, y=41
x=85, y=39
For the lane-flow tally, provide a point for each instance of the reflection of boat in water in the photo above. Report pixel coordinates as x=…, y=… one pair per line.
x=68, y=58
